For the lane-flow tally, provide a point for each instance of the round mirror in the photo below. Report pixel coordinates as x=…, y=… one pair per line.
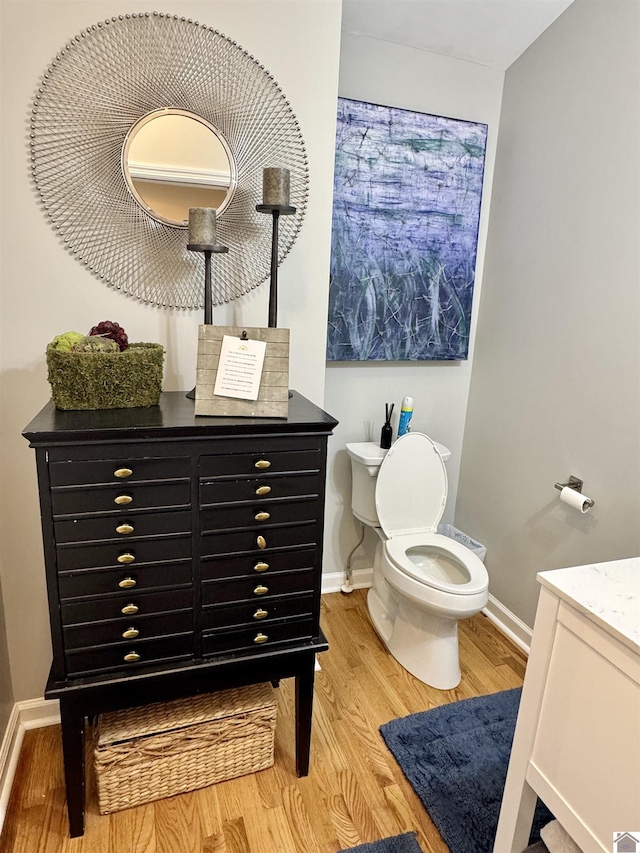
x=175, y=159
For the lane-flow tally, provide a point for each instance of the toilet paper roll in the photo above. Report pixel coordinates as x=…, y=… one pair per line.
x=575, y=499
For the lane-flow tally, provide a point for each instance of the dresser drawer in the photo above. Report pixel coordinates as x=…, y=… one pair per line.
x=123, y=553
x=113, y=657
x=257, y=612
x=253, y=488
x=125, y=470
x=133, y=579
x=251, y=565
x=143, y=628
x=259, y=539
x=272, y=461
x=253, y=639
x=257, y=589
x=122, y=527
x=94, y=499
x=126, y=604
x=265, y=514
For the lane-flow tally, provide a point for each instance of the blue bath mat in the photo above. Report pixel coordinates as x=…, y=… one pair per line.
x=456, y=759
x=406, y=843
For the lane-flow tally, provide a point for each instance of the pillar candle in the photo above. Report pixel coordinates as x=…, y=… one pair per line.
x=275, y=187
x=202, y=226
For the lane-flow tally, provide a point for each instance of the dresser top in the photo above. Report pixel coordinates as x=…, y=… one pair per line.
x=609, y=593
x=173, y=417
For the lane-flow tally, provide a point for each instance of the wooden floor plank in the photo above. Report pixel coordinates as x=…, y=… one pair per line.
x=235, y=837
x=354, y=793
x=299, y=821
x=132, y=830
x=177, y=824
x=209, y=811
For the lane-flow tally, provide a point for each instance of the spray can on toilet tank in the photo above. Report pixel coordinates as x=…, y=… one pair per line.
x=405, y=416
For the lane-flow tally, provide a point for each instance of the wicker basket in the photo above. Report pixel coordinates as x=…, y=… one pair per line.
x=106, y=380
x=157, y=751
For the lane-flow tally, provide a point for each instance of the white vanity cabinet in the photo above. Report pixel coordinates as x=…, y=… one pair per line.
x=577, y=738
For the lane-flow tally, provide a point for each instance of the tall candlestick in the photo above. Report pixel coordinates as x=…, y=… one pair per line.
x=202, y=238
x=275, y=186
x=275, y=192
x=202, y=226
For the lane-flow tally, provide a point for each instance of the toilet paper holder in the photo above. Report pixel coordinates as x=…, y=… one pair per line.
x=574, y=483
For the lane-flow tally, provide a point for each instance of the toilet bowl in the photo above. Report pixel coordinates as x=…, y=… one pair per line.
x=423, y=582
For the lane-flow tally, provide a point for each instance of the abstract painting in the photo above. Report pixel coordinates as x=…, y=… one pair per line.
x=406, y=209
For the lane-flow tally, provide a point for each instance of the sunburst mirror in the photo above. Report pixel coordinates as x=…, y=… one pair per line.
x=140, y=117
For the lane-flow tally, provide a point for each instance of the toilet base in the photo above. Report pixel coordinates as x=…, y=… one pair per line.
x=425, y=644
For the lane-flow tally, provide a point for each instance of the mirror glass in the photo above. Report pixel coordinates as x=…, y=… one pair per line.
x=173, y=160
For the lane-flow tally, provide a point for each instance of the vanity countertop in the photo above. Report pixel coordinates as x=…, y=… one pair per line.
x=607, y=592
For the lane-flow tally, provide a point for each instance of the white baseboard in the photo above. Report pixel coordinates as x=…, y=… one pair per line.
x=38, y=713
x=509, y=624
x=32, y=714
x=333, y=581
x=9, y=752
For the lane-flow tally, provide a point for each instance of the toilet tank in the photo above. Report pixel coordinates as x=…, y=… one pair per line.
x=366, y=459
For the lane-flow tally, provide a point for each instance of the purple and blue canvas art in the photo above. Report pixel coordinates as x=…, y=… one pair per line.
x=406, y=209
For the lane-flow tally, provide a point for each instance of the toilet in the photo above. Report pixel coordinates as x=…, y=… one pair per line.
x=423, y=582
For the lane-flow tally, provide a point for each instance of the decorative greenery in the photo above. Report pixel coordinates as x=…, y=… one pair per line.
x=106, y=380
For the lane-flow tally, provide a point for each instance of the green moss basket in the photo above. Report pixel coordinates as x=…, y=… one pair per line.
x=106, y=380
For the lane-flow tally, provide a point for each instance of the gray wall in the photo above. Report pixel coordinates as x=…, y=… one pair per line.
x=556, y=375
x=355, y=392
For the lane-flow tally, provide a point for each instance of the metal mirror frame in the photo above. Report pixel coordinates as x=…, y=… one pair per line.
x=103, y=82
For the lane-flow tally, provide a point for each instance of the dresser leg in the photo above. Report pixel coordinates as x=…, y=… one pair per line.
x=73, y=751
x=304, y=710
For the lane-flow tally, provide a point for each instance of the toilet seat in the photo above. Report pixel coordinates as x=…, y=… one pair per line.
x=411, y=493
x=473, y=575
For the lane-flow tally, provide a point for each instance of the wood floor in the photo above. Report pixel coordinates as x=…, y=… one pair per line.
x=354, y=793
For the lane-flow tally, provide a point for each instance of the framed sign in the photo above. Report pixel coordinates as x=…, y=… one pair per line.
x=242, y=372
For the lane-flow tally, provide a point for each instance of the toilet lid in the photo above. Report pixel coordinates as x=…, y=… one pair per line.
x=411, y=490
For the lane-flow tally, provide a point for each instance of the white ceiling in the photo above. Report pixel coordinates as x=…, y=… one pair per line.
x=488, y=32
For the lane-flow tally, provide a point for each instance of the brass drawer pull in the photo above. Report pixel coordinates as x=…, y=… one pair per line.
x=122, y=473
x=123, y=500
x=263, y=463
x=262, y=516
x=127, y=583
x=260, y=589
x=261, y=567
x=130, y=633
x=130, y=609
x=132, y=657
x=260, y=613
x=260, y=638
x=261, y=542
x=263, y=490
x=124, y=528
x=126, y=558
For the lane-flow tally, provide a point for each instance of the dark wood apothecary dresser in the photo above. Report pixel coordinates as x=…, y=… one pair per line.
x=183, y=554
